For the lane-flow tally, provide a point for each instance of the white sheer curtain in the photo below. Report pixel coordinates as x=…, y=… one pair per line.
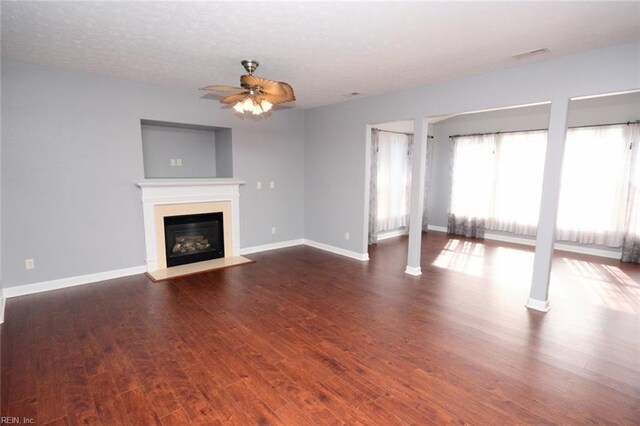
x=393, y=181
x=427, y=182
x=472, y=176
x=519, y=168
x=631, y=246
x=595, y=185
x=497, y=183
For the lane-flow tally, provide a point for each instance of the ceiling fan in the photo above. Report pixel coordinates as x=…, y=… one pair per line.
x=255, y=94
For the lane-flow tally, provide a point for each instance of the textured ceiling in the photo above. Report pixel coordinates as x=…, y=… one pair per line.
x=325, y=50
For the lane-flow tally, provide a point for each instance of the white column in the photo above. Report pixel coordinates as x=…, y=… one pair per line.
x=546, y=236
x=417, y=196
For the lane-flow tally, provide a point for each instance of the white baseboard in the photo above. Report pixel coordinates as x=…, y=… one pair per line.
x=510, y=239
x=437, y=228
x=2, y=303
x=391, y=234
x=588, y=250
x=538, y=305
x=413, y=270
x=273, y=246
x=337, y=250
x=23, y=290
x=532, y=242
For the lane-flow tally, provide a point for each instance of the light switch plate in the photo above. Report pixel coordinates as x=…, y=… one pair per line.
x=272, y=184
x=173, y=162
x=259, y=185
x=179, y=162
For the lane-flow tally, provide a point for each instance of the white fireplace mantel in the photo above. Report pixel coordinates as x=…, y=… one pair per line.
x=156, y=192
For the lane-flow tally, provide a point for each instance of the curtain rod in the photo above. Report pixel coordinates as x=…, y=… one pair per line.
x=391, y=131
x=400, y=133
x=539, y=130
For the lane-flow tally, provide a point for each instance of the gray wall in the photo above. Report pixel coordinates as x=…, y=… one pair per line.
x=196, y=148
x=335, y=136
x=72, y=152
x=224, y=153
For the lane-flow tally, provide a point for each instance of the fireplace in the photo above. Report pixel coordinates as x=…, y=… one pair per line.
x=175, y=197
x=193, y=238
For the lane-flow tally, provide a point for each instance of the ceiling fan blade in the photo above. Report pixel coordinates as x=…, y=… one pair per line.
x=234, y=98
x=257, y=88
x=267, y=86
x=275, y=99
x=289, y=91
x=216, y=88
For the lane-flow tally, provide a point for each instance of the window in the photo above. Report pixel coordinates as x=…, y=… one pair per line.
x=519, y=170
x=393, y=180
x=472, y=176
x=498, y=178
x=595, y=185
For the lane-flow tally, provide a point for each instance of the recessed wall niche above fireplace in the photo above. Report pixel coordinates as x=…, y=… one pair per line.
x=185, y=151
x=193, y=238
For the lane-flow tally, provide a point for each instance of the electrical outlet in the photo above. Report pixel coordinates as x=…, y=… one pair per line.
x=273, y=230
x=179, y=162
x=259, y=185
x=173, y=162
x=29, y=264
x=272, y=185
x=346, y=236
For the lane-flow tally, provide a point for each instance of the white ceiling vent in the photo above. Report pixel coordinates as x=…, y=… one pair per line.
x=531, y=53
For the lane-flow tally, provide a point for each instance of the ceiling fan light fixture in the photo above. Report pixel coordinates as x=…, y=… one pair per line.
x=239, y=107
x=257, y=110
x=265, y=105
x=247, y=104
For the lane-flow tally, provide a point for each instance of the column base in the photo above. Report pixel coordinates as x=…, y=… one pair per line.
x=413, y=270
x=538, y=305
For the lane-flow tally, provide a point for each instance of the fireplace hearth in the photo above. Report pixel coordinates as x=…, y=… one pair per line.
x=193, y=238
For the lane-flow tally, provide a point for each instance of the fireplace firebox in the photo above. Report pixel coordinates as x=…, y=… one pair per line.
x=193, y=238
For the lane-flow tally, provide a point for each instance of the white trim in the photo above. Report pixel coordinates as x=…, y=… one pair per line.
x=413, y=270
x=601, y=95
x=363, y=257
x=510, y=239
x=437, y=228
x=588, y=250
x=272, y=246
x=531, y=242
x=367, y=189
x=188, y=182
x=2, y=304
x=538, y=305
x=391, y=234
x=23, y=290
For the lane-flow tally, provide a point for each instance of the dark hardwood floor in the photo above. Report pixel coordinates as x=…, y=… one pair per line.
x=304, y=337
